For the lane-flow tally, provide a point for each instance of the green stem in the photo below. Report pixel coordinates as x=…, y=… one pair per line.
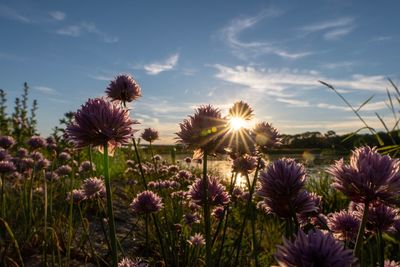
x=91, y=160
x=70, y=215
x=88, y=236
x=140, y=163
x=381, y=247
x=45, y=219
x=359, y=241
x=111, y=223
x=206, y=207
x=146, y=221
x=3, y=202
x=160, y=238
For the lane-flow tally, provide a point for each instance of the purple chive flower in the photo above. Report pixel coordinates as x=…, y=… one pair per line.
x=265, y=136
x=36, y=142
x=87, y=167
x=26, y=164
x=245, y=164
x=370, y=176
x=6, y=167
x=6, y=141
x=22, y=153
x=146, y=202
x=389, y=263
x=63, y=170
x=93, y=187
x=188, y=160
x=282, y=187
x=51, y=176
x=4, y=154
x=173, y=169
x=98, y=123
x=218, y=212
x=380, y=216
x=344, y=225
x=204, y=130
x=64, y=156
x=314, y=249
x=197, y=240
x=126, y=262
x=191, y=218
x=42, y=164
x=184, y=176
x=36, y=156
x=78, y=195
x=217, y=196
x=157, y=157
x=150, y=135
x=123, y=88
x=241, y=110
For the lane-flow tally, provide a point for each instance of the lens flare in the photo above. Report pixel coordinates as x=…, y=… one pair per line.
x=237, y=123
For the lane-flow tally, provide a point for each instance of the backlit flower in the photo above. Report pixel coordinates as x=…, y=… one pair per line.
x=98, y=123
x=124, y=88
x=146, y=202
x=369, y=176
x=93, y=187
x=315, y=249
x=87, y=166
x=150, y=135
x=241, y=110
x=245, y=164
x=77, y=195
x=197, y=240
x=380, y=216
x=126, y=262
x=6, y=167
x=344, y=225
x=265, y=137
x=6, y=141
x=204, y=130
x=36, y=142
x=217, y=196
x=63, y=170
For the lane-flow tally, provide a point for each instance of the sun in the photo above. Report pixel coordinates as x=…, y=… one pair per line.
x=237, y=123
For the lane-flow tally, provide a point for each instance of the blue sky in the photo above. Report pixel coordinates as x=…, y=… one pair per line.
x=270, y=54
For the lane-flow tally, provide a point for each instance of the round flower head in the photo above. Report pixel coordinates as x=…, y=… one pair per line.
x=197, y=240
x=4, y=154
x=6, y=167
x=218, y=212
x=51, y=143
x=344, y=225
x=36, y=156
x=173, y=169
x=6, y=142
x=150, y=135
x=78, y=195
x=188, y=160
x=93, y=187
x=157, y=157
x=191, y=218
x=282, y=187
x=124, y=88
x=51, y=176
x=86, y=166
x=380, y=217
x=36, y=142
x=146, y=202
x=64, y=156
x=241, y=110
x=98, y=123
x=265, y=136
x=245, y=164
x=64, y=170
x=217, y=196
x=314, y=249
x=22, y=153
x=204, y=130
x=42, y=164
x=369, y=176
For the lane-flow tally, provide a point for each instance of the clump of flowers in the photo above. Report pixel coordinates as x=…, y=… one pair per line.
x=146, y=202
x=217, y=196
x=150, y=135
x=314, y=249
x=204, y=130
x=6, y=141
x=370, y=176
x=98, y=123
x=123, y=88
x=93, y=187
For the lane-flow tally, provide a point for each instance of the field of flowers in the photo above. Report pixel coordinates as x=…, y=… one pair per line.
x=93, y=196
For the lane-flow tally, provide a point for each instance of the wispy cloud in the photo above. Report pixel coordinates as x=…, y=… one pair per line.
x=277, y=81
x=57, y=15
x=332, y=29
x=158, y=67
x=231, y=34
x=102, y=77
x=46, y=90
x=336, y=65
x=294, y=102
x=85, y=28
x=12, y=14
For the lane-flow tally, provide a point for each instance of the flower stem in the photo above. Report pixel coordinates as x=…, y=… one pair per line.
x=146, y=250
x=207, y=218
x=357, y=247
x=3, y=203
x=381, y=247
x=140, y=163
x=113, y=237
x=45, y=220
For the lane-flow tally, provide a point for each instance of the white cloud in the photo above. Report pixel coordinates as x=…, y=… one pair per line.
x=158, y=67
x=12, y=14
x=243, y=49
x=332, y=29
x=87, y=27
x=46, y=90
x=294, y=102
x=339, y=65
x=277, y=81
x=57, y=15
